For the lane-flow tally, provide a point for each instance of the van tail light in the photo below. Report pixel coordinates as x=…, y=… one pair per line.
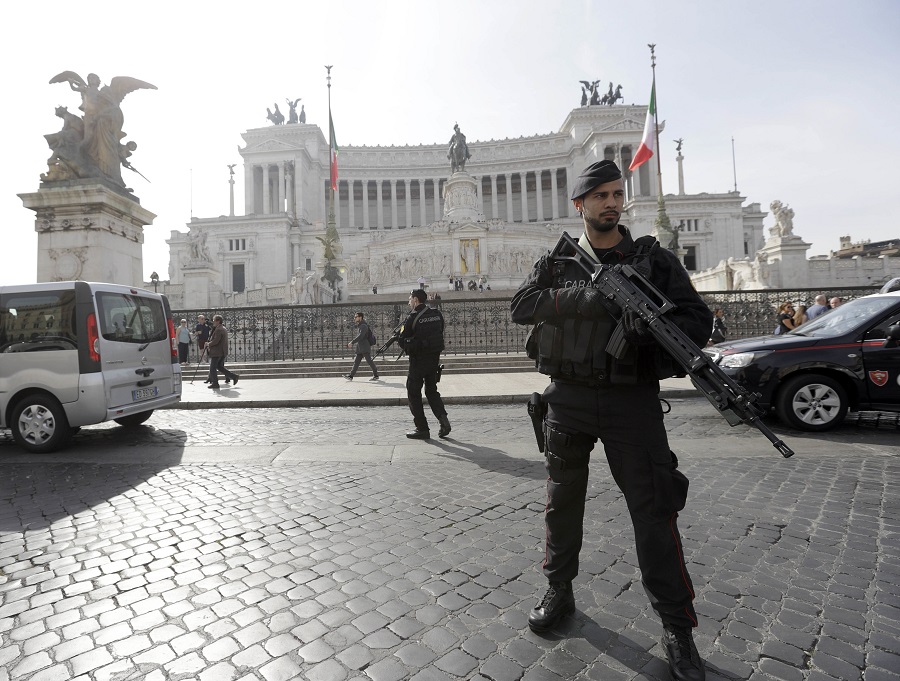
x=172, y=337
x=93, y=337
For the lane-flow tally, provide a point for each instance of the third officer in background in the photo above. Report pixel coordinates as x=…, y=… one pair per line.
x=422, y=337
x=593, y=395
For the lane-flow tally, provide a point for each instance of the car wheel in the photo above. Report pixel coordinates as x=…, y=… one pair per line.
x=134, y=419
x=39, y=424
x=812, y=402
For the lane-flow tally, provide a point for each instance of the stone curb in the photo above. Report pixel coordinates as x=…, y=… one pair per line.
x=382, y=401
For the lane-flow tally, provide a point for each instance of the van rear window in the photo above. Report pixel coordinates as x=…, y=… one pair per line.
x=38, y=321
x=130, y=318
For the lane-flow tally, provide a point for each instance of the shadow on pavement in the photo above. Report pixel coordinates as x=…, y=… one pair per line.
x=491, y=459
x=40, y=490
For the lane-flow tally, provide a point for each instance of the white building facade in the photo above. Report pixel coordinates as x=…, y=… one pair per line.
x=396, y=219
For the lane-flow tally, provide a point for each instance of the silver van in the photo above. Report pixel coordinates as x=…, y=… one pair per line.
x=74, y=353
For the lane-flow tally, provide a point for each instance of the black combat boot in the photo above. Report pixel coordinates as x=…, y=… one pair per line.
x=419, y=434
x=684, y=660
x=445, y=426
x=558, y=602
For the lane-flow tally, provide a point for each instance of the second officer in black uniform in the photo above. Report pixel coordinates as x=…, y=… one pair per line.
x=595, y=396
x=422, y=336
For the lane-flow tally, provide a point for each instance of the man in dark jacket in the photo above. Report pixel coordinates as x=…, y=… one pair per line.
x=363, y=348
x=422, y=336
x=594, y=396
x=217, y=347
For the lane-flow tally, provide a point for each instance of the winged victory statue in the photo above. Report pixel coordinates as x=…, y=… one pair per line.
x=90, y=146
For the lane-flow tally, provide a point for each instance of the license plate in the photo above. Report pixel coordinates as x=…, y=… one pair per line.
x=144, y=393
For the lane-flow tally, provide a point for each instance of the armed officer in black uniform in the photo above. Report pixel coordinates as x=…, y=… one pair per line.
x=422, y=336
x=594, y=396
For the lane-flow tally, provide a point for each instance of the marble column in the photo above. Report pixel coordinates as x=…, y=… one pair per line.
x=423, y=220
x=408, y=200
x=438, y=213
x=554, y=194
x=267, y=206
x=365, y=203
x=509, y=198
x=281, y=208
x=539, y=196
x=288, y=190
x=495, y=208
x=570, y=208
x=379, y=205
x=524, y=192
x=337, y=205
x=395, y=223
x=351, y=204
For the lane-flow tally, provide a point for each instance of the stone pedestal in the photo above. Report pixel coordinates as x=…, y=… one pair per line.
x=461, y=199
x=198, y=278
x=793, y=268
x=88, y=232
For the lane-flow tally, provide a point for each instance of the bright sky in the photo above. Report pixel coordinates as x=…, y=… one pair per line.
x=802, y=86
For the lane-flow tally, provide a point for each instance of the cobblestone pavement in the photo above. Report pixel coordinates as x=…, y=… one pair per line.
x=154, y=554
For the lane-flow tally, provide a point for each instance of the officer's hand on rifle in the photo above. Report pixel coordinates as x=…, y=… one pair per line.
x=635, y=329
x=543, y=272
x=585, y=302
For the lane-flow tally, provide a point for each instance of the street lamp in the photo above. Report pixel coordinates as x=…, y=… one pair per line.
x=154, y=277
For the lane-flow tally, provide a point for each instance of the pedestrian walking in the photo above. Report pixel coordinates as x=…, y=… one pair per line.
x=364, y=340
x=183, y=335
x=217, y=348
x=422, y=337
x=593, y=395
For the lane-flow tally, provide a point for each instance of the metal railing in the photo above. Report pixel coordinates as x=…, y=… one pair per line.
x=482, y=326
x=292, y=332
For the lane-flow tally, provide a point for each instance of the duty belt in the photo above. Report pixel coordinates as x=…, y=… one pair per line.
x=587, y=382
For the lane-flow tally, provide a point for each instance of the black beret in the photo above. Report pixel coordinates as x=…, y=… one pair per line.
x=596, y=173
x=419, y=294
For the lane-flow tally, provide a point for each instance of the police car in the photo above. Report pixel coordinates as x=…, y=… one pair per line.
x=846, y=359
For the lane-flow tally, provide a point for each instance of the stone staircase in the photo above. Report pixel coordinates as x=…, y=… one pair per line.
x=335, y=368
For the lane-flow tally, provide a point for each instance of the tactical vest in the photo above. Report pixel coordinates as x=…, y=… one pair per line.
x=427, y=332
x=575, y=349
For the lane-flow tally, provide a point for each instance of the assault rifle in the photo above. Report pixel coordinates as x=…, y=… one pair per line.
x=629, y=289
x=395, y=336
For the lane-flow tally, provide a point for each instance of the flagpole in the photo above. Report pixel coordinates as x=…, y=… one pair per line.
x=668, y=237
x=331, y=220
x=656, y=119
x=733, y=164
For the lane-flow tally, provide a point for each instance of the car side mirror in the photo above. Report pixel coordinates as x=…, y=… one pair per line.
x=893, y=337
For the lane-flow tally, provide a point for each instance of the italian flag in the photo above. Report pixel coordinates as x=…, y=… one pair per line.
x=334, y=153
x=648, y=142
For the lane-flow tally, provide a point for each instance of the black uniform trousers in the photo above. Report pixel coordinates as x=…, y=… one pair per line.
x=628, y=420
x=423, y=370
